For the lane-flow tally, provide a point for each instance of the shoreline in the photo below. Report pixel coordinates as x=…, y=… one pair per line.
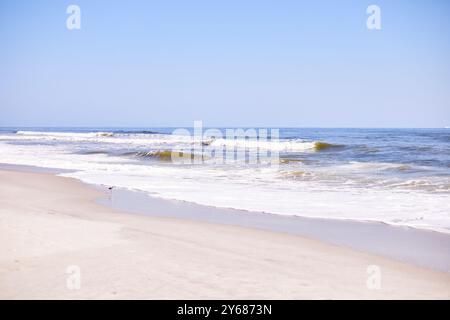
x=417, y=246
x=58, y=222
x=60, y=172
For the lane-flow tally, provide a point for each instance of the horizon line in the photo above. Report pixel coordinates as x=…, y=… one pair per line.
x=222, y=126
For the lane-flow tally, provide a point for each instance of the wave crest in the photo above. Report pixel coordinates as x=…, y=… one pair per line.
x=66, y=134
x=279, y=145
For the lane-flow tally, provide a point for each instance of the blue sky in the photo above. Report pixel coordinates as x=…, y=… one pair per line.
x=228, y=63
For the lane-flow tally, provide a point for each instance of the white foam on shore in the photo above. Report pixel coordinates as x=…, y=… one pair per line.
x=246, y=188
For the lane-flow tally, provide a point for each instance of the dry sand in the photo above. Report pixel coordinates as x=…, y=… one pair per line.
x=48, y=223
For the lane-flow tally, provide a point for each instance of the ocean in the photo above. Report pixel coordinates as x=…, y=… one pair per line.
x=395, y=176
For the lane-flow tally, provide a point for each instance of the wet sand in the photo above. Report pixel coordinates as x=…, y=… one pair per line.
x=50, y=225
x=420, y=247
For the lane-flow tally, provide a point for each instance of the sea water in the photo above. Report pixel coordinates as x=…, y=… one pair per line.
x=396, y=176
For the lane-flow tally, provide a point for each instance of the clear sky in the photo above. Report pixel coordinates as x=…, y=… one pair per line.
x=226, y=62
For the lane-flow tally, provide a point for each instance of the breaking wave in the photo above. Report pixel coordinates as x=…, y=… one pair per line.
x=150, y=138
x=279, y=145
x=66, y=134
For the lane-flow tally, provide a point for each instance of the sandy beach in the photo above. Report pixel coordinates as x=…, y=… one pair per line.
x=49, y=224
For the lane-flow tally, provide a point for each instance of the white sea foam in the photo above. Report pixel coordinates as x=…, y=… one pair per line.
x=330, y=192
x=65, y=134
x=154, y=139
x=147, y=139
x=290, y=145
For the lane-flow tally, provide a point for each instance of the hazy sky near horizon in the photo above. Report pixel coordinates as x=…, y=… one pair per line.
x=228, y=63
